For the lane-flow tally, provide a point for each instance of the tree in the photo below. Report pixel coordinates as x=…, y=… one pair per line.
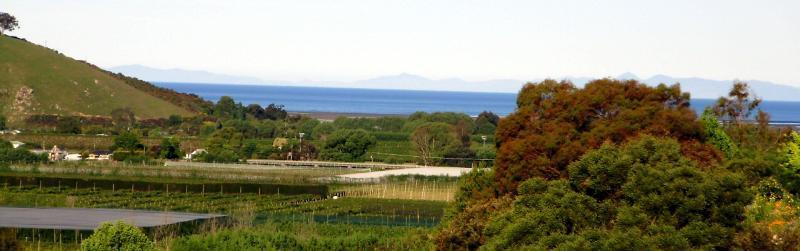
x=739, y=105
x=69, y=124
x=738, y=108
x=256, y=111
x=249, y=149
x=451, y=118
x=486, y=123
x=307, y=127
x=489, y=117
x=123, y=118
x=119, y=236
x=555, y=123
x=323, y=130
x=227, y=109
x=174, y=120
x=170, y=148
x=127, y=141
x=275, y=112
x=7, y=22
x=789, y=170
x=223, y=145
x=226, y=138
x=717, y=135
x=265, y=129
x=643, y=195
x=476, y=185
x=433, y=140
x=2, y=122
x=347, y=145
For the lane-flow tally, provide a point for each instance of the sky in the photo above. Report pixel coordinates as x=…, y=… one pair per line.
x=346, y=40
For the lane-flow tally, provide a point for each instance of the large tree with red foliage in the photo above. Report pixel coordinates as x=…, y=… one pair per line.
x=555, y=123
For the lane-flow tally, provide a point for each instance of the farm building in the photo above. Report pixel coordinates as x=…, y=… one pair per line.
x=100, y=155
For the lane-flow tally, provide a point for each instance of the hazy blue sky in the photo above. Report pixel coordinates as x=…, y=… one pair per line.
x=475, y=40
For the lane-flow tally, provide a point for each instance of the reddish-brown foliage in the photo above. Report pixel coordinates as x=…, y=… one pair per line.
x=555, y=123
x=705, y=155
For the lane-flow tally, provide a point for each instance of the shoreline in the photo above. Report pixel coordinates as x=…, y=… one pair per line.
x=331, y=116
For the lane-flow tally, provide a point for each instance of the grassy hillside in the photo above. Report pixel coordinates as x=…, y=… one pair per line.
x=38, y=80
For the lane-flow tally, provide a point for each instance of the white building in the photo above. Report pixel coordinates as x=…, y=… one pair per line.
x=12, y=132
x=194, y=153
x=73, y=157
x=17, y=144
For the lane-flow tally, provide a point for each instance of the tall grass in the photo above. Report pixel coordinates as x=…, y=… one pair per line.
x=410, y=189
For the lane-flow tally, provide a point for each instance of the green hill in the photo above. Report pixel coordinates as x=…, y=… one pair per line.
x=38, y=80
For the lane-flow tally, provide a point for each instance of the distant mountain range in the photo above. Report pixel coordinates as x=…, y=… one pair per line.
x=180, y=75
x=712, y=89
x=698, y=87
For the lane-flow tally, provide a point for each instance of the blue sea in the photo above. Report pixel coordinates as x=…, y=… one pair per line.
x=400, y=102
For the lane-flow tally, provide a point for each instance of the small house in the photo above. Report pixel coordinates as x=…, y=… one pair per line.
x=56, y=154
x=100, y=155
x=73, y=157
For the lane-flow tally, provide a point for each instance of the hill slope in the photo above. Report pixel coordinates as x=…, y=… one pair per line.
x=38, y=80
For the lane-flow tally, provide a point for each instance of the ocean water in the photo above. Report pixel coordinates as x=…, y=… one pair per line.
x=401, y=102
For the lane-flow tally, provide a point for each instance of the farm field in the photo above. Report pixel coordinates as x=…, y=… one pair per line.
x=286, y=200
x=280, y=235
x=123, y=171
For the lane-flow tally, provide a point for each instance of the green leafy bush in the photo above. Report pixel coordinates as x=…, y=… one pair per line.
x=717, y=135
x=220, y=156
x=127, y=141
x=792, y=152
x=117, y=236
x=347, y=145
x=789, y=159
x=170, y=148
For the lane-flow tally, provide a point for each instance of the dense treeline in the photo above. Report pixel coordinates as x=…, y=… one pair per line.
x=620, y=165
x=231, y=131
x=237, y=130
